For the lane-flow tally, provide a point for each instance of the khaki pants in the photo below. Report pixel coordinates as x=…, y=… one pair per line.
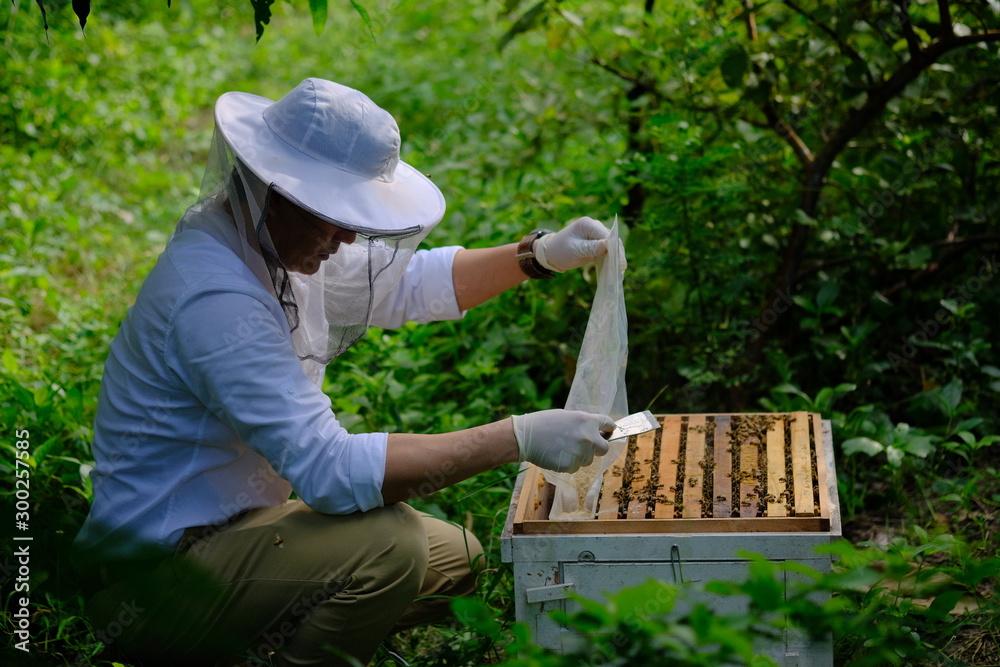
x=312, y=588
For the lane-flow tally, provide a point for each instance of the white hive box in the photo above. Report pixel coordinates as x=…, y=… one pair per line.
x=678, y=506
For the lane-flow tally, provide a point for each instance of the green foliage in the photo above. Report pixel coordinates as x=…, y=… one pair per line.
x=261, y=13
x=903, y=600
x=636, y=627
x=890, y=606
x=669, y=118
x=805, y=75
x=896, y=442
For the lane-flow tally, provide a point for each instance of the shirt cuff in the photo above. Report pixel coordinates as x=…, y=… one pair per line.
x=439, y=292
x=369, y=461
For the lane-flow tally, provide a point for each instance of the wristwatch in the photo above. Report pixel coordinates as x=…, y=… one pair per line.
x=526, y=256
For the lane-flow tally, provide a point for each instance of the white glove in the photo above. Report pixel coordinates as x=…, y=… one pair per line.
x=561, y=440
x=581, y=241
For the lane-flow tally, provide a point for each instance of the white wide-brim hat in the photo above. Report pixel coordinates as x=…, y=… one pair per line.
x=334, y=152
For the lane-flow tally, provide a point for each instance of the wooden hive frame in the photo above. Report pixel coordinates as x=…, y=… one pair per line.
x=703, y=473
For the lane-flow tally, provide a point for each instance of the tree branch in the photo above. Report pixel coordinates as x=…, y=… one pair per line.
x=621, y=74
x=847, y=191
x=857, y=120
x=906, y=24
x=949, y=256
x=845, y=48
x=750, y=19
x=640, y=84
x=755, y=123
x=975, y=38
x=971, y=8
x=822, y=266
x=878, y=97
x=944, y=10
x=964, y=240
x=786, y=132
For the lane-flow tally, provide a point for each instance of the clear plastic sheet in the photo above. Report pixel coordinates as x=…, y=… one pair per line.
x=599, y=384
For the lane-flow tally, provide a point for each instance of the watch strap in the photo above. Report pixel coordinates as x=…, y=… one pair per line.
x=526, y=256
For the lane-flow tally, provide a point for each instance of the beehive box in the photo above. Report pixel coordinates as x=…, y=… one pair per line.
x=677, y=506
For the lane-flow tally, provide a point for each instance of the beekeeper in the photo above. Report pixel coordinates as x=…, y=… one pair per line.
x=211, y=412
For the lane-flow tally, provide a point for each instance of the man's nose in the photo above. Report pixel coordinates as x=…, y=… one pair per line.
x=338, y=235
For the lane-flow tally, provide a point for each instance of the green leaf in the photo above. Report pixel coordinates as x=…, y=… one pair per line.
x=319, y=9
x=261, y=15
x=824, y=394
x=823, y=14
x=509, y=6
x=598, y=614
x=988, y=441
x=526, y=22
x=866, y=445
x=82, y=10
x=788, y=388
x=654, y=598
x=804, y=303
x=762, y=661
x=42, y=451
x=917, y=258
x=967, y=424
x=844, y=388
x=856, y=72
x=474, y=613
x=765, y=590
x=921, y=446
x=974, y=573
x=895, y=456
x=734, y=66
x=952, y=393
x=722, y=588
x=943, y=604
x=950, y=305
x=827, y=295
x=803, y=218
x=9, y=361
x=45, y=18
x=799, y=568
x=363, y=13
x=858, y=579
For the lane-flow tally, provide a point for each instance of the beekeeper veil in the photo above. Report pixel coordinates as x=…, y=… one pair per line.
x=331, y=151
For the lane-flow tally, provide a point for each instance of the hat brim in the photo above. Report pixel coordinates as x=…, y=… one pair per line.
x=409, y=204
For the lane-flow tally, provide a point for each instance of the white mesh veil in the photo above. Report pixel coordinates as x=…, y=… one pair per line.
x=327, y=311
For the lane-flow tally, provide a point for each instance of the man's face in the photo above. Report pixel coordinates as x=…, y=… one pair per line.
x=301, y=239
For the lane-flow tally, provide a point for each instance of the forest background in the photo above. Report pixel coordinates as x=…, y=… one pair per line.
x=809, y=194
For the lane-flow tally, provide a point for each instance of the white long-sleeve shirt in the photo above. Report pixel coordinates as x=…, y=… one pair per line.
x=205, y=411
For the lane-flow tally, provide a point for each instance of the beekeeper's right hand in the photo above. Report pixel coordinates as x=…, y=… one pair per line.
x=561, y=440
